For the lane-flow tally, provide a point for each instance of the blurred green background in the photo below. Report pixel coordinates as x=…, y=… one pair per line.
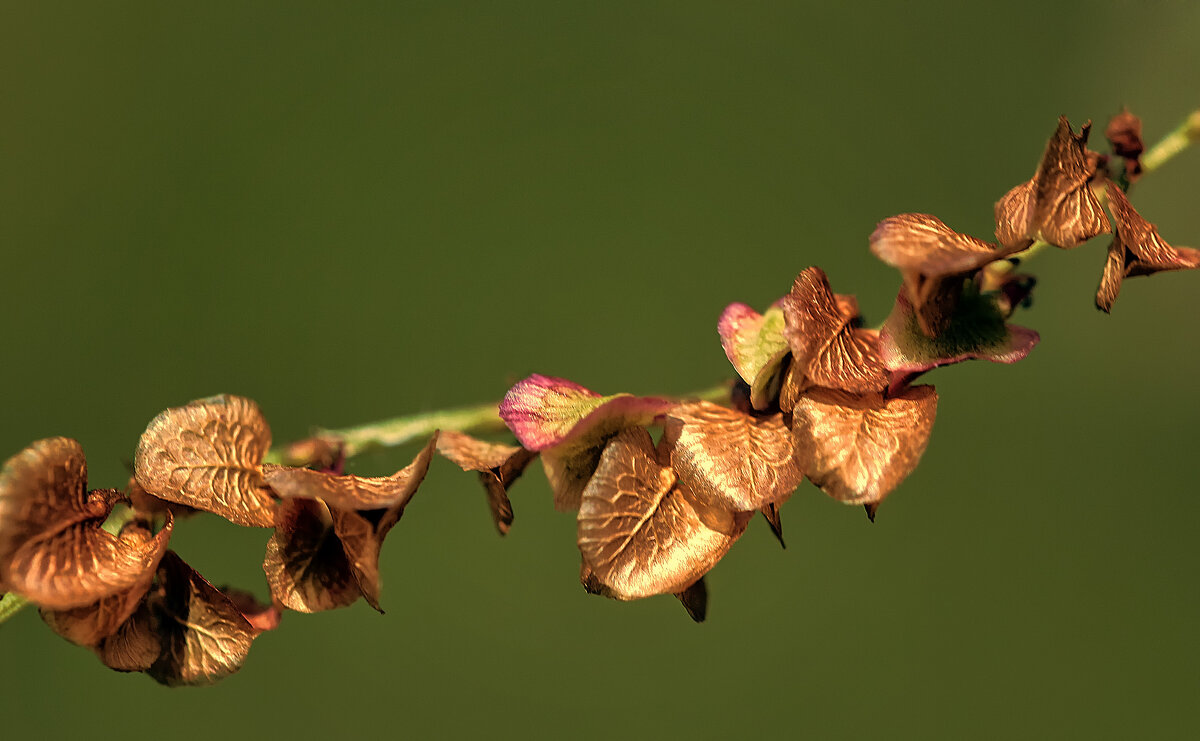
x=354, y=211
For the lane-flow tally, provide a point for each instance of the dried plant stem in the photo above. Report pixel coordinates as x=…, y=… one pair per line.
x=1172, y=144
x=484, y=419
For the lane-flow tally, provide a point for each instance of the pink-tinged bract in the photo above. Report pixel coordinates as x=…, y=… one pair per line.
x=755, y=345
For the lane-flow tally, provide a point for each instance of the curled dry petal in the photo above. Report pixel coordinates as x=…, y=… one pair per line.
x=731, y=460
x=1136, y=249
x=306, y=566
x=977, y=330
x=1056, y=206
x=43, y=488
x=82, y=564
x=826, y=348
x=755, y=345
x=498, y=466
x=642, y=533
x=858, y=449
x=345, y=491
x=203, y=635
x=382, y=498
x=362, y=541
x=53, y=550
x=90, y=624
x=135, y=645
x=207, y=455
x=570, y=425
x=933, y=260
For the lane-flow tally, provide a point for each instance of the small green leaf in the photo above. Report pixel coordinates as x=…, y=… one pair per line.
x=755, y=344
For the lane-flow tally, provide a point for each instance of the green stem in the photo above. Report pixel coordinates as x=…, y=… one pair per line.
x=482, y=419
x=1172, y=144
x=11, y=604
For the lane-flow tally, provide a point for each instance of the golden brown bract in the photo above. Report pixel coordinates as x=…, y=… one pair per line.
x=203, y=637
x=306, y=566
x=1136, y=249
x=207, y=455
x=826, y=348
x=44, y=487
x=729, y=459
x=1057, y=205
x=88, y=625
x=640, y=532
x=858, y=449
x=53, y=550
x=498, y=467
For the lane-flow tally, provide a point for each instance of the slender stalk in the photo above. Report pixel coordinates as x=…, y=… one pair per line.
x=1172, y=144
x=482, y=419
x=11, y=604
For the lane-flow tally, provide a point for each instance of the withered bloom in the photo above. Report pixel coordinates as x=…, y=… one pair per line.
x=1136, y=249
x=329, y=531
x=570, y=426
x=53, y=550
x=498, y=466
x=934, y=260
x=827, y=350
x=641, y=532
x=208, y=455
x=1057, y=205
x=858, y=449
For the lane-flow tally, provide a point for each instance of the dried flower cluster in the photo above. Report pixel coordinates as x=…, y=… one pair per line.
x=817, y=396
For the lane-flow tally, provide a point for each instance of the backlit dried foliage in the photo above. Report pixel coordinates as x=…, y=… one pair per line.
x=207, y=455
x=1136, y=249
x=826, y=347
x=203, y=637
x=53, y=549
x=859, y=448
x=1057, y=205
x=730, y=459
x=306, y=563
x=640, y=531
x=817, y=396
